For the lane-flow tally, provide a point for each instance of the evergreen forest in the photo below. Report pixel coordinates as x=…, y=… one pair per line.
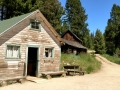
x=73, y=17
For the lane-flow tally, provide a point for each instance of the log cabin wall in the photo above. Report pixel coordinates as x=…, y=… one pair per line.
x=22, y=34
x=72, y=43
x=68, y=36
x=71, y=37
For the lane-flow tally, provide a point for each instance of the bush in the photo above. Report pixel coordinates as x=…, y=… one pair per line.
x=86, y=61
x=89, y=69
x=117, y=52
x=112, y=58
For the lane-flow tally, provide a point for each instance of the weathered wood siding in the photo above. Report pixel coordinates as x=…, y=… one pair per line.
x=23, y=36
x=7, y=70
x=68, y=36
x=70, y=45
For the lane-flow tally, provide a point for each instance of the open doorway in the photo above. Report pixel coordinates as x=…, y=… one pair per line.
x=32, y=61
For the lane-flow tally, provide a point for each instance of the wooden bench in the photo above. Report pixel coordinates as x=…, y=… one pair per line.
x=49, y=74
x=74, y=69
x=3, y=82
x=11, y=75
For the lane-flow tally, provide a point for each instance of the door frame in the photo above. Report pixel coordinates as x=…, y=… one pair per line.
x=38, y=58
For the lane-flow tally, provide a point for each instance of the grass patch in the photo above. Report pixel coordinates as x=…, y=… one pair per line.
x=112, y=58
x=86, y=61
x=9, y=82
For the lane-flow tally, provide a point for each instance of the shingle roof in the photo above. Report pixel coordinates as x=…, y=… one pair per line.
x=74, y=44
x=6, y=24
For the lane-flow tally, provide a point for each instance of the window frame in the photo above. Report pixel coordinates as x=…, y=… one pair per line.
x=48, y=47
x=13, y=58
x=36, y=21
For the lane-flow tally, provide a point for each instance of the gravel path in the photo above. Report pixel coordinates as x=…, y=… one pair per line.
x=108, y=78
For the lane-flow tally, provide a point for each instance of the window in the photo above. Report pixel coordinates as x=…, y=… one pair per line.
x=13, y=51
x=48, y=53
x=35, y=24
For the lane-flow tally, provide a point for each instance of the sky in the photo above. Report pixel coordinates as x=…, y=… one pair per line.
x=98, y=12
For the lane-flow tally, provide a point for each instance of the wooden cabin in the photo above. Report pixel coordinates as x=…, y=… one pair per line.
x=72, y=43
x=29, y=45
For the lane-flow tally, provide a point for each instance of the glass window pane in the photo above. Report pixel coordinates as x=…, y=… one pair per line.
x=48, y=52
x=37, y=27
x=35, y=24
x=9, y=51
x=13, y=51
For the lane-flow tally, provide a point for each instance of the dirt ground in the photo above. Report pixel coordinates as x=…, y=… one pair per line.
x=108, y=78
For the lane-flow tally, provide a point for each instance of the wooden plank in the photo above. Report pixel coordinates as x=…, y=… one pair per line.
x=13, y=66
x=3, y=65
x=3, y=70
x=50, y=74
x=12, y=78
x=53, y=73
x=74, y=69
x=3, y=81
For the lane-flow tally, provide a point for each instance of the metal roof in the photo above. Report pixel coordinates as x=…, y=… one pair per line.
x=6, y=24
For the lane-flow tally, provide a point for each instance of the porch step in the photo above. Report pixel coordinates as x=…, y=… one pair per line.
x=36, y=79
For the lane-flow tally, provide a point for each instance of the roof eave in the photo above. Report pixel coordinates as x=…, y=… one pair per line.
x=15, y=24
x=51, y=28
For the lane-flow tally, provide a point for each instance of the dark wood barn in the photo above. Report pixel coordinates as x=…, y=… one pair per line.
x=72, y=43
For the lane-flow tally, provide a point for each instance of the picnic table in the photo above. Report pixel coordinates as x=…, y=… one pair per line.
x=74, y=69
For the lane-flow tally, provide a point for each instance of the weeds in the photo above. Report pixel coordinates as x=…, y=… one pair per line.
x=86, y=61
x=112, y=58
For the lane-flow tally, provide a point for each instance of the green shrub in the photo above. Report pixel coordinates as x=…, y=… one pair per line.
x=112, y=58
x=117, y=53
x=86, y=61
x=89, y=69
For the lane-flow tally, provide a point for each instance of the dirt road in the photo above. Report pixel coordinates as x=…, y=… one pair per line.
x=108, y=78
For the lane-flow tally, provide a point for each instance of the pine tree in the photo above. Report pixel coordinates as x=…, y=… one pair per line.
x=76, y=17
x=1, y=12
x=53, y=11
x=64, y=28
x=18, y=7
x=92, y=40
x=90, y=44
x=112, y=31
x=99, y=42
x=87, y=41
x=109, y=38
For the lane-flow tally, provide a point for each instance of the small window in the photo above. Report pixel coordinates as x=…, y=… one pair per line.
x=48, y=53
x=35, y=24
x=13, y=51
